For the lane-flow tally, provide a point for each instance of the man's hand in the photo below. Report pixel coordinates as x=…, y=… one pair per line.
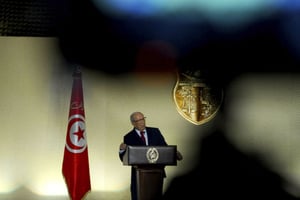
x=123, y=146
x=178, y=156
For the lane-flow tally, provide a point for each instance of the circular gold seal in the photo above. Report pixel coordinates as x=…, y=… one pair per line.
x=196, y=100
x=152, y=155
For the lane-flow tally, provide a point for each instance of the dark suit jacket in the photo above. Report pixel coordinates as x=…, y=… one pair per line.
x=155, y=138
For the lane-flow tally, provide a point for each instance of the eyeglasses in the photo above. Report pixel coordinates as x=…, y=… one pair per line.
x=139, y=119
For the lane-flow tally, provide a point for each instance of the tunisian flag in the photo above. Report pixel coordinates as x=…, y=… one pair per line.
x=75, y=166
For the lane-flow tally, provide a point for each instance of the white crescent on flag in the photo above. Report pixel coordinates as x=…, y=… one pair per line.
x=76, y=141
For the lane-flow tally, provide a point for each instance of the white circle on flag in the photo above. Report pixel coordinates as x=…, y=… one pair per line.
x=76, y=135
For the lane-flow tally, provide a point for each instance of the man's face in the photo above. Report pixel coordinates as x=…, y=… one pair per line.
x=139, y=121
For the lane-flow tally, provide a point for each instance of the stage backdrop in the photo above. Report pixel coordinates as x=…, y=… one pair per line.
x=35, y=85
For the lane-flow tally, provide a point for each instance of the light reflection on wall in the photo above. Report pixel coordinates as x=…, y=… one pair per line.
x=263, y=118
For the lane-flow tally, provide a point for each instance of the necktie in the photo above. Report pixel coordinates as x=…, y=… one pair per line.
x=143, y=136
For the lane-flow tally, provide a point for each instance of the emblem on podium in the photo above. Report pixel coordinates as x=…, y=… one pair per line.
x=152, y=155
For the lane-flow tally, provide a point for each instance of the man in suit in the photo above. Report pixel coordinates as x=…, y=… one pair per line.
x=153, y=137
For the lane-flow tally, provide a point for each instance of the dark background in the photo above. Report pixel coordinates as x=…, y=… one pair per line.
x=99, y=41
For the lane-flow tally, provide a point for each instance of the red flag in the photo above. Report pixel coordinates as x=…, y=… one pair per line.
x=75, y=166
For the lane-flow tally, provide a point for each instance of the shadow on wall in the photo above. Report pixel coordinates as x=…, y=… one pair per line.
x=223, y=172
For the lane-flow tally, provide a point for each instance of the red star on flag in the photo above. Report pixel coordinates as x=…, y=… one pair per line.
x=79, y=134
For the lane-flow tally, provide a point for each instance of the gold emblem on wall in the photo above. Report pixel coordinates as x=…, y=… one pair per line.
x=196, y=100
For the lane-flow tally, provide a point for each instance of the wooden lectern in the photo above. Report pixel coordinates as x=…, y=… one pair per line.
x=149, y=162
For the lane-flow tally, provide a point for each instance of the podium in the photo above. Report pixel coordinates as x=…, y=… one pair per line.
x=150, y=162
